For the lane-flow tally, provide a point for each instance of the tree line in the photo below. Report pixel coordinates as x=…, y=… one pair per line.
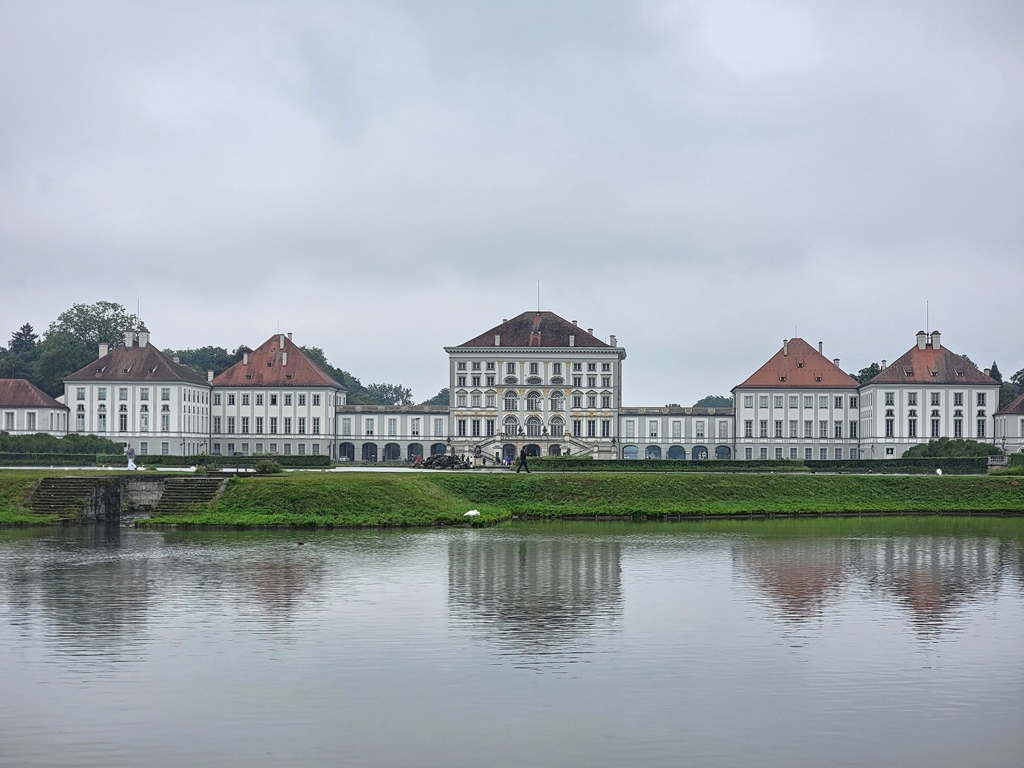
x=70, y=343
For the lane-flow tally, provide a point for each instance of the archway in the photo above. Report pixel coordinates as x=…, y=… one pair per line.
x=437, y=449
x=555, y=450
x=723, y=452
x=699, y=452
x=630, y=452
x=677, y=452
x=369, y=452
x=392, y=452
x=346, y=452
x=533, y=450
x=508, y=452
x=652, y=452
x=415, y=451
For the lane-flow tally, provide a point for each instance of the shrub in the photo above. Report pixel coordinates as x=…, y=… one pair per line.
x=267, y=467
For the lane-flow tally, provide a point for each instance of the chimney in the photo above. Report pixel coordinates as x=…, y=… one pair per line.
x=504, y=319
x=284, y=359
x=143, y=338
x=614, y=342
x=104, y=349
x=936, y=340
x=575, y=323
x=497, y=339
x=590, y=331
x=785, y=347
x=883, y=365
x=821, y=347
x=209, y=375
x=572, y=339
x=245, y=358
x=835, y=361
x=129, y=338
x=289, y=335
x=988, y=371
x=921, y=339
x=177, y=360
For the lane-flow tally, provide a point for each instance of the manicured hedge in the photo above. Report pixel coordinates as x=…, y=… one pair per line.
x=48, y=459
x=975, y=465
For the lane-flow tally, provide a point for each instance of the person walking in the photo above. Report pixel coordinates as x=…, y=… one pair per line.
x=130, y=453
x=522, y=461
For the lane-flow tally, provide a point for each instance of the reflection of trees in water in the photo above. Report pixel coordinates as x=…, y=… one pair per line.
x=931, y=576
x=86, y=583
x=278, y=581
x=535, y=593
x=799, y=576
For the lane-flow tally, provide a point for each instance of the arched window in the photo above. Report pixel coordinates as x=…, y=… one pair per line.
x=557, y=427
x=511, y=425
x=511, y=401
x=533, y=401
x=557, y=401
x=533, y=426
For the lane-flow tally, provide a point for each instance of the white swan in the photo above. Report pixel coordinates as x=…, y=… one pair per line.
x=472, y=513
x=938, y=471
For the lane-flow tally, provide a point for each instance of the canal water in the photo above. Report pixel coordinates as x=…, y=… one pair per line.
x=869, y=642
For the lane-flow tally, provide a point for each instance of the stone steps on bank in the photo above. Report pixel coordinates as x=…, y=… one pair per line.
x=182, y=494
x=64, y=496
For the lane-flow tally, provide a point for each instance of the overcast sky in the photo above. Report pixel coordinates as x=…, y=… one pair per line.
x=701, y=179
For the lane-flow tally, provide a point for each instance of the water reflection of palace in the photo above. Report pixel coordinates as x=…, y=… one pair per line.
x=930, y=576
x=534, y=591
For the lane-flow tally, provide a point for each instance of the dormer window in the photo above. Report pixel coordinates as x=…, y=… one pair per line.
x=817, y=378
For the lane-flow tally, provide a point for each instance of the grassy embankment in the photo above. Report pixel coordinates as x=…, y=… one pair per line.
x=441, y=499
x=424, y=499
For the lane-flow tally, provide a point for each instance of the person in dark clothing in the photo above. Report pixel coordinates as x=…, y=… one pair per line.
x=522, y=461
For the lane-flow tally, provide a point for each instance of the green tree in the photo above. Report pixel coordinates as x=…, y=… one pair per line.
x=23, y=340
x=1018, y=381
x=994, y=372
x=102, y=322
x=203, y=359
x=1007, y=393
x=714, y=401
x=390, y=394
x=61, y=354
x=357, y=394
x=443, y=397
x=864, y=375
x=946, y=448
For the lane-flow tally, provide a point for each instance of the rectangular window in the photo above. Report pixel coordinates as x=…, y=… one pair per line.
x=460, y=381
x=302, y=425
x=723, y=430
x=533, y=369
x=287, y=449
x=839, y=454
x=794, y=401
x=630, y=429
x=677, y=429
x=460, y=427
x=165, y=422
x=288, y=399
x=287, y=425
x=853, y=430
x=475, y=424
x=346, y=427
x=438, y=427
x=231, y=398
x=838, y=402
x=273, y=425
x=245, y=425
x=911, y=398
x=748, y=428
x=778, y=454
x=122, y=393
x=890, y=398
x=853, y=402
x=606, y=401
x=392, y=427
x=273, y=399
x=762, y=428
x=778, y=427
x=762, y=401
x=577, y=401
x=316, y=402
x=592, y=428
x=890, y=427
x=606, y=428
x=837, y=430
x=165, y=449
x=823, y=454
x=935, y=428
x=652, y=429
x=792, y=454
x=577, y=428
x=981, y=398
x=489, y=400
x=764, y=453
x=101, y=393
x=591, y=366
x=489, y=426
x=748, y=401
x=144, y=422
x=981, y=427
x=259, y=398
x=823, y=402
x=808, y=428
x=80, y=393
x=302, y=399
x=510, y=369
x=958, y=398
x=748, y=453
x=216, y=398
x=794, y=428
x=368, y=427
x=778, y=401
x=808, y=401
x=165, y=393
x=556, y=369
x=577, y=381
x=911, y=427
x=259, y=425
x=935, y=398
x=231, y=425
x=808, y=454
x=245, y=398
x=216, y=424
x=591, y=401
x=143, y=448
x=698, y=428
x=823, y=428
x=853, y=453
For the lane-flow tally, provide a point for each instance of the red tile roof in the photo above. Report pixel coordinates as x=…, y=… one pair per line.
x=267, y=366
x=798, y=365
x=536, y=329
x=932, y=366
x=20, y=393
x=1015, y=406
x=137, y=363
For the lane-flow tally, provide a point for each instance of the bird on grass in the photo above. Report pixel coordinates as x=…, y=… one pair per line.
x=472, y=513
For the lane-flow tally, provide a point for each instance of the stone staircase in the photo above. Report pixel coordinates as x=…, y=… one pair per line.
x=182, y=493
x=64, y=496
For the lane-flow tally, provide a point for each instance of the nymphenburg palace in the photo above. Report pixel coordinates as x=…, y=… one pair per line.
x=537, y=381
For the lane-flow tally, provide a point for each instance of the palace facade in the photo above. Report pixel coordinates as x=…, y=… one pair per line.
x=536, y=380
